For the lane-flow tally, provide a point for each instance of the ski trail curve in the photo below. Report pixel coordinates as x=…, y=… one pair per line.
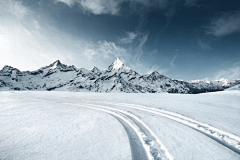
x=157, y=148
x=136, y=147
x=144, y=149
x=154, y=148
x=140, y=150
x=227, y=139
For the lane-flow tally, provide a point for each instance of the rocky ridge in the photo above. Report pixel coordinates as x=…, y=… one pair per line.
x=117, y=78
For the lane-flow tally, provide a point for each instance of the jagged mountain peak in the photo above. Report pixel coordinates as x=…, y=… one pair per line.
x=155, y=76
x=117, y=64
x=53, y=67
x=95, y=69
x=8, y=68
x=156, y=73
x=10, y=71
x=118, y=78
x=55, y=64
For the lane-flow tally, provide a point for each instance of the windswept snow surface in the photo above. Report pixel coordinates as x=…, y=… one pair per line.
x=73, y=125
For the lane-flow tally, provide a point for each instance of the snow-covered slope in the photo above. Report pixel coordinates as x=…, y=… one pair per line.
x=235, y=87
x=117, y=78
x=211, y=86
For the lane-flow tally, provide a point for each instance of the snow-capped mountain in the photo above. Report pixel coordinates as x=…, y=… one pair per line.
x=117, y=65
x=117, y=78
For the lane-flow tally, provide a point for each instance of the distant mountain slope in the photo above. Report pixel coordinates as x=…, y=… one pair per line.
x=235, y=87
x=117, y=78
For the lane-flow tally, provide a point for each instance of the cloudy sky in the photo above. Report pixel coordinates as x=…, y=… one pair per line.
x=182, y=39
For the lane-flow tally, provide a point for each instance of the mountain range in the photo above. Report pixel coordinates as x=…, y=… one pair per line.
x=117, y=78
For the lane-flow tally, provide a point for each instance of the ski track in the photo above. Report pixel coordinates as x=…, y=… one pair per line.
x=139, y=147
x=152, y=147
x=157, y=149
x=227, y=139
x=137, y=151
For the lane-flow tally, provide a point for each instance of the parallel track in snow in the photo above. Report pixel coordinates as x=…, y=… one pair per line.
x=150, y=142
x=137, y=150
x=157, y=148
x=227, y=139
x=144, y=143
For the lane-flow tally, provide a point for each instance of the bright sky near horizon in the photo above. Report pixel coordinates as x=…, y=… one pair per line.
x=182, y=39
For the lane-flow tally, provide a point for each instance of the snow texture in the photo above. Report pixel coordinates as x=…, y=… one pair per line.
x=75, y=125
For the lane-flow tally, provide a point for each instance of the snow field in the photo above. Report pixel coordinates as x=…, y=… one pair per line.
x=165, y=126
x=151, y=141
x=40, y=130
x=229, y=140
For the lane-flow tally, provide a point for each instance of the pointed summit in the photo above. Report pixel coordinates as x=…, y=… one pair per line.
x=156, y=73
x=117, y=64
x=156, y=76
x=57, y=63
x=95, y=69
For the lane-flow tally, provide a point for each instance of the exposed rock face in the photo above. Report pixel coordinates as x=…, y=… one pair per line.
x=117, y=78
